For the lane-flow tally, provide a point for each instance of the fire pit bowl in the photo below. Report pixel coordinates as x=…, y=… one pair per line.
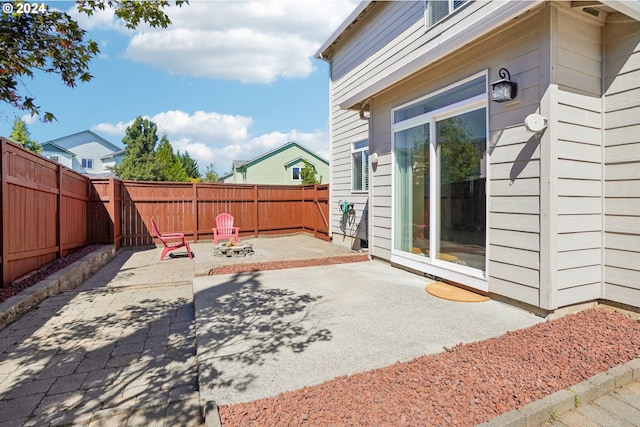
x=240, y=249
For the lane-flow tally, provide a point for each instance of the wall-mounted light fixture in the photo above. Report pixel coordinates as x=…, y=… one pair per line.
x=503, y=90
x=374, y=158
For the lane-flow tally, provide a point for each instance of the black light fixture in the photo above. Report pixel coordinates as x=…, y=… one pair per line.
x=503, y=90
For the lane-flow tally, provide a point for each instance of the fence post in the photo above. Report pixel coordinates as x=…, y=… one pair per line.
x=59, y=213
x=4, y=207
x=111, y=209
x=305, y=224
x=117, y=212
x=257, y=210
x=194, y=210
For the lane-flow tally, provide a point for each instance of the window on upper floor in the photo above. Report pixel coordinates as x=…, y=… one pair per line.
x=54, y=158
x=360, y=166
x=296, y=173
x=87, y=163
x=436, y=10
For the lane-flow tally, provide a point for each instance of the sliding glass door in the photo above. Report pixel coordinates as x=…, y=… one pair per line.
x=460, y=146
x=439, y=177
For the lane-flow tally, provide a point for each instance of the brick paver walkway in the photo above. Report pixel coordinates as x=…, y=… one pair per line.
x=118, y=350
x=618, y=408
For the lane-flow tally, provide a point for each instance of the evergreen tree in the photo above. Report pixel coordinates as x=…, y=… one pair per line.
x=210, y=175
x=308, y=174
x=190, y=165
x=138, y=163
x=169, y=164
x=21, y=135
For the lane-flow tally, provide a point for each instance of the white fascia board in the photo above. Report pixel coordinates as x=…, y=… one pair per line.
x=338, y=32
x=483, y=24
x=631, y=8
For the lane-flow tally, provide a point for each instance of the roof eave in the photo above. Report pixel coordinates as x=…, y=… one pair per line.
x=626, y=7
x=354, y=16
x=484, y=24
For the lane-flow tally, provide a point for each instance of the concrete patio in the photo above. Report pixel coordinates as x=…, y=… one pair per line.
x=144, y=342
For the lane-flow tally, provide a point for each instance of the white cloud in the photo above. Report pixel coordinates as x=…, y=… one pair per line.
x=249, y=41
x=99, y=19
x=28, y=118
x=210, y=137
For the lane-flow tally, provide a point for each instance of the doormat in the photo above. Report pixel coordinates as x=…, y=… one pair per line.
x=453, y=293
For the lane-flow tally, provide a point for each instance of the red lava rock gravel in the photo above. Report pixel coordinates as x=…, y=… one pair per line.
x=463, y=386
x=19, y=285
x=279, y=265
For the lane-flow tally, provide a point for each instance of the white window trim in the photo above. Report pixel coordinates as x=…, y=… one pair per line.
x=299, y=173
x=88, y=162
x=365, y=164
x=428, y=24
x=469, y=276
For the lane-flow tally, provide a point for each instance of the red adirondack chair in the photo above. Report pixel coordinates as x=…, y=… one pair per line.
x=171, y=241
x=224, y=229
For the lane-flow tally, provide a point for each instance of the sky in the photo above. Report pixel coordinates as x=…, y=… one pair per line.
x=228, y=80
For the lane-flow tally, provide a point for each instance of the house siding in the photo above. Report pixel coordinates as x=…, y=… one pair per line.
x=85, y=145
x=514, y=171
x=563, y=204
x=578, y=178
x=93, y=151
x=275, y=167
x=64, y=158
x=622, y=163
x=389, y=36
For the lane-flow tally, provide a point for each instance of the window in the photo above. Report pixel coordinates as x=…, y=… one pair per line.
x=54, y=158
x=436, y=10
x=87, y=163
x=360, y=166
x=296, y=173
x=439, y=146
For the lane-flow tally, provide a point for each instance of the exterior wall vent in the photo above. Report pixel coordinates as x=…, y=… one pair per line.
x=591, y=11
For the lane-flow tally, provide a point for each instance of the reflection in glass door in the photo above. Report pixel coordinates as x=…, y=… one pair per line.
x=461, y=232
x=412, y=204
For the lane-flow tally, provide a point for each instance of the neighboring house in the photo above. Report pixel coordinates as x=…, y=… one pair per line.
x=84, y=152
x=534, y=200
x=282, y=165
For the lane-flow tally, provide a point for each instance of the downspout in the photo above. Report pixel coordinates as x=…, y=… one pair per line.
x=367, y=104
x=603, y=136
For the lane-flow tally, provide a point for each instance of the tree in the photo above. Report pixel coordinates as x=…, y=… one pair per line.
x=210, y=175
x=139, y=162
x=308, y=174
x=190, y=165
x=168, y=164
x=21, y=135
x=50, y=41
x=460, y=156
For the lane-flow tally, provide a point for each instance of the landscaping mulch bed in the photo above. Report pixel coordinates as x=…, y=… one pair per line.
x=463, y=386
x=279, y=265
x=19, y=285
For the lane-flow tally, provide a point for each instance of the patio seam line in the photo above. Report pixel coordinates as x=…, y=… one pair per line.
x=67, y=278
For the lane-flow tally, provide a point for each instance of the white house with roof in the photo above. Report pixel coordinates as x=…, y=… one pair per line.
x=503, y=144
x=85, y=152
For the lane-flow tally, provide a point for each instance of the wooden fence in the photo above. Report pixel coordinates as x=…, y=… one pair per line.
x=44, y=211
x=191, y=208
x=49, y=211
